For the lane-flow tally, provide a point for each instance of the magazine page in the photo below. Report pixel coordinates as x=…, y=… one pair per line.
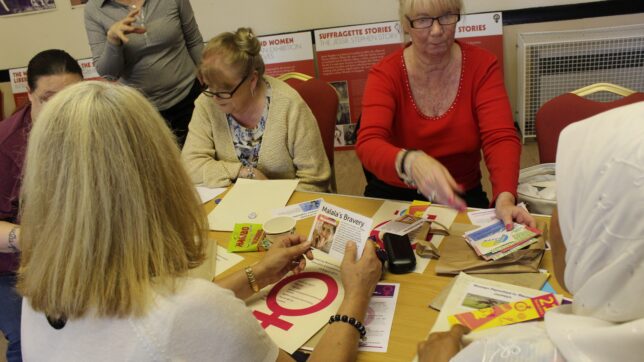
x=380, y=317
x=471, y=293
x=333, y=226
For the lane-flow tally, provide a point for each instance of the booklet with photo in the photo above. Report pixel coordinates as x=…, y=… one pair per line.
x=470, y=293
x=333, y=226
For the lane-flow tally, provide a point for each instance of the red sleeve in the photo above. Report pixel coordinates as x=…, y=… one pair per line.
x=375, y=146
x=499, y=139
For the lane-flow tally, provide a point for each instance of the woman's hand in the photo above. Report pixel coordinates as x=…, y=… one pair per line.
x=433, y=180
x=117, y=33
x=259, y=175
x=360, y=277
x=245, y=172
x=442, y=346
x=283, y=256
x=507, y=211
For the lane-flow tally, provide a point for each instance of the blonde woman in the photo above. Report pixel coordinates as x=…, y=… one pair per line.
x=110, y=226
x=428, y=112
x=250, y=125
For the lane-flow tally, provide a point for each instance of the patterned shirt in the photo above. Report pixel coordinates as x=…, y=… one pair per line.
x=248, y=141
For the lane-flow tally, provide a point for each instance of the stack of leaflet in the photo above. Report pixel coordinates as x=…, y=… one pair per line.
x=493, y=241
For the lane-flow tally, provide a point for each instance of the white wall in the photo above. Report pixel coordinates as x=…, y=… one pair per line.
x=23, y=36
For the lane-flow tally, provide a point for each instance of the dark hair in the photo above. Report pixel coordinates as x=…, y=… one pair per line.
x=51, y=62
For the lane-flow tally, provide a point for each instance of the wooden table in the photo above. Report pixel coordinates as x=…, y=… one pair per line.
x=413, y=318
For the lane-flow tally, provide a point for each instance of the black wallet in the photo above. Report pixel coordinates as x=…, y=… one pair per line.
x=400, y=255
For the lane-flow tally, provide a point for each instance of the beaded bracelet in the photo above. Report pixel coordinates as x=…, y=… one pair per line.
x=346, y=319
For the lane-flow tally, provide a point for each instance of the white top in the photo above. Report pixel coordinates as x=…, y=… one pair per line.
x=600, y=198
x=200, y=322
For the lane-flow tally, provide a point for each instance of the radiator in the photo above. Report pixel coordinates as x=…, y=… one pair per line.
x=553, y=63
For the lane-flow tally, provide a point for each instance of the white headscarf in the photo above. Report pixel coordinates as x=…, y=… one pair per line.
x=600, y=199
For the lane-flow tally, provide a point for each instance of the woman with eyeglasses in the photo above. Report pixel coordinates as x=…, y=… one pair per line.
x=427, y=112
x=250, y=125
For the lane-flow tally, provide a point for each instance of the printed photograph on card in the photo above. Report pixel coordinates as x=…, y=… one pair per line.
x=323, y=232
x=344, y=113
x=334, y=226
x=479, y=302
x=345, y=135
x=342, y=86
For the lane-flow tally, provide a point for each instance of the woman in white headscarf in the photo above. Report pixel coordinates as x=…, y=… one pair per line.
x=598, y=250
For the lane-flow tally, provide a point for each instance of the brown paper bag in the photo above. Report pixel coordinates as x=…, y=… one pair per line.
x=457, y=256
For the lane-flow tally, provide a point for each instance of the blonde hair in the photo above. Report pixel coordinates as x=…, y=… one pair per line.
x=408, y=6
x=107, y=209
x=239, y=50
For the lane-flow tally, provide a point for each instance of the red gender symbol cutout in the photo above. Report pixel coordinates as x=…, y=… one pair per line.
x=271, y=301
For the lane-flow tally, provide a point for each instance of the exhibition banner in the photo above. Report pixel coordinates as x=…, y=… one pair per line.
x=345, y=56
x=285, y=53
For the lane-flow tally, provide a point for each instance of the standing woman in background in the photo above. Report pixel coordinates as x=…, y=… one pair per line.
x=153, y=46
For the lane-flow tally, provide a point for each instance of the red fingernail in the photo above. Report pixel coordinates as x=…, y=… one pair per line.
x=508, y=227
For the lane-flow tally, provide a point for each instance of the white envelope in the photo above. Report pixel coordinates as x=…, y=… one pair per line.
x=250, y=201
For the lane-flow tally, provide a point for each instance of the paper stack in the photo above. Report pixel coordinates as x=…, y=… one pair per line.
x=493, y=241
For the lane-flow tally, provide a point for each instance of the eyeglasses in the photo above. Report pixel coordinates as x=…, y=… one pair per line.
x=427, y=21
x=224, y=95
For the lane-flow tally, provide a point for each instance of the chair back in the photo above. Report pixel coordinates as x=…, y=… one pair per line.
x=557, y=113
x=323, y=101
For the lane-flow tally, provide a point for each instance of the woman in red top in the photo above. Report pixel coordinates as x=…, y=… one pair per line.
x=429, y=109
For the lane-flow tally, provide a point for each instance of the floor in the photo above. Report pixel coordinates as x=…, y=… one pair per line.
x=350, y=181
x=350, y=178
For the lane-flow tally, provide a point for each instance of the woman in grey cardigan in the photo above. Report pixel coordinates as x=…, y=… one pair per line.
x=153, y=46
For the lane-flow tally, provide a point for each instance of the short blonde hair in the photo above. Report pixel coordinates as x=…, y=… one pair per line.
x=106, y=206
x=407, y=7
x=240, y=50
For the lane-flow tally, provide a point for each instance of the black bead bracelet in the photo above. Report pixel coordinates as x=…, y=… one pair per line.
x=354, y=322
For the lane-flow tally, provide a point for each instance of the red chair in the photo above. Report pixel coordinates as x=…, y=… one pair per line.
x=557, y=113
x=323, y=100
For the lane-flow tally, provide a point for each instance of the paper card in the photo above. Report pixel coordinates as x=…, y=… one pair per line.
x=471, y=293
x=334, y=226
x=225, y=260
x=295, y=308
x=486, y=216
x=300, y=211
x=207, y=269
x=206, y=193
x=389, y=210
x=402, y=225
x=249, y=202
x=442, y=214
x=418, y=208
x=380, y=317
x=505, y=314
